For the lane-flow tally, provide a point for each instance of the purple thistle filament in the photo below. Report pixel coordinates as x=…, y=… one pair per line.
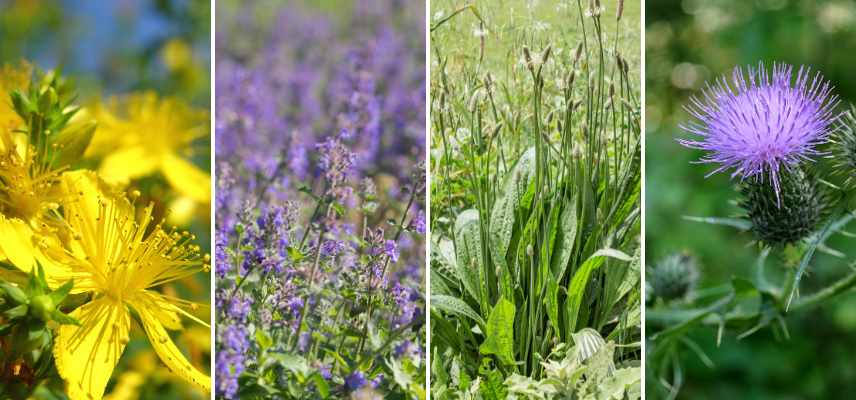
x=762, y=122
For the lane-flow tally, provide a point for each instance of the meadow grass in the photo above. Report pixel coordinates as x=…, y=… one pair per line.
x=534, y=199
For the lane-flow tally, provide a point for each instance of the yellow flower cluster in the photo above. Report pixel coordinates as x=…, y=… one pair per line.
x=84, y=225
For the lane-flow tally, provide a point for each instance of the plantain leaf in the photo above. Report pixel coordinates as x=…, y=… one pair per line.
x=503, y=215
x=565, y=240
x=456, y=306
x=468, y=249
x=500, y=332
x=577, y=288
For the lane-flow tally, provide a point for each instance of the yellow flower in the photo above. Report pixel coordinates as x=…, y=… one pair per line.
x=28, y=196
x=119, y=258
x=177, y=55
x=140, y=135
x=12, y=78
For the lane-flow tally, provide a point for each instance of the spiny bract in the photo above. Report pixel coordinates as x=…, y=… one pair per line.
x=800, y=211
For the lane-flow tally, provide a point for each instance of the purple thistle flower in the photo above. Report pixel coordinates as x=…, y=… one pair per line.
x=761, y=123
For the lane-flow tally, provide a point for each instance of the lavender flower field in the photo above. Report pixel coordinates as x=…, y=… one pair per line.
x=320, y=218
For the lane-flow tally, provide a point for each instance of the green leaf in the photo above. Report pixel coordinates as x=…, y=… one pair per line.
x=741, y=224
x=291, y=362
x=338, y=208
x=468, y=248
x=444, y=333
x=577, y=288
x=505, y=209
x=336, y=357
x=58, y=295
x=72, y=143
x=625, y=383
x=500, y=332
x=322, y=385
x=831, y=227
x=16, y=312
x=492, y=386
x=15, y=293
x=263, y=339
x=454, y=305
x=401, y=377
x=21, y=103
x=565, y=240
x=294, y=254
x=437, y=284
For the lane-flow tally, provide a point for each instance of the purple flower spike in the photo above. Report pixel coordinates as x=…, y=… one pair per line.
x=761, y=124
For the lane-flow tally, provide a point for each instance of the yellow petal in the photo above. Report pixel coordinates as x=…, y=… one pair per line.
x=127, y=163
x=127, y=386
x=187, y=178
x=60, y=268
x=165, y=312
x=86, y=355
x=166, y=349
x=94, y=211
x=182, y=210
x=17, y=243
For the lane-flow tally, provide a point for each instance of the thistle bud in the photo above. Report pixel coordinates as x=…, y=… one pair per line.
x=673, y=278
x=785, y=217
x=844, y=147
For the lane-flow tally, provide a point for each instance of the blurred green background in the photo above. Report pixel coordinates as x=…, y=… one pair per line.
x=109, y=48
x=690, y=42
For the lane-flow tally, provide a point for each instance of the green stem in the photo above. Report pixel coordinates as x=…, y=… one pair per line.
x=837, y=288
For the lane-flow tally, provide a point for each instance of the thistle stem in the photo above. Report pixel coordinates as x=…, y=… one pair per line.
x=830, y=292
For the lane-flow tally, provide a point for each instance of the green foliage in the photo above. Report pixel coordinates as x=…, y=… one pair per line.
x=535, y=196
x=574, y=376
x=499, y=339
x=48, y=107
x=28, y=314
x=712, y=341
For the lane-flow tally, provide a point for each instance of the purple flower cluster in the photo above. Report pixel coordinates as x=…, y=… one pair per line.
x=320, y=144
x=231, y=357
x=762, y=123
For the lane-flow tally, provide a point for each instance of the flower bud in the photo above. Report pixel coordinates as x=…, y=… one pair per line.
x=844, y=147
x=42, y=307
x=72, y=142
x=788, y=217
x=673, y=278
